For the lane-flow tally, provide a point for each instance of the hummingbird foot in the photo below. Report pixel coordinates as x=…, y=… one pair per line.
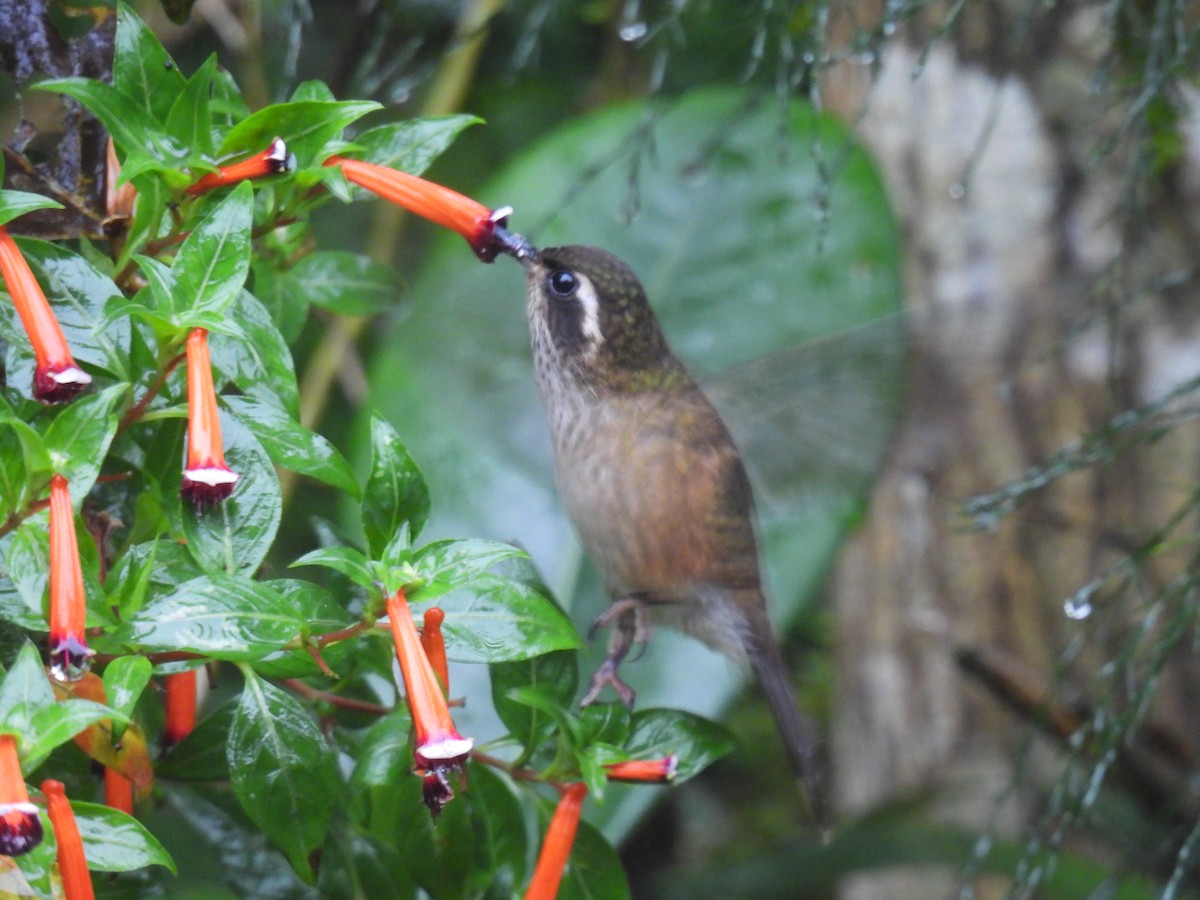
x=633, y=603
x=607, y=675
x=630, y=616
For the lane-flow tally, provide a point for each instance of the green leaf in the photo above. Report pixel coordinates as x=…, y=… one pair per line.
x=346, y=560
x=395, y=492
x=151, y=568
x=23, y=694
x=79, y=437
x=304, y=125
x=114, y=841
x=697, y=741
x=354, y=864
x=51, y=726
x=494, y=619
x=594, y=870
x=132, y=127
x=190, y=119
x=321, y=614
x=79, y=293
x=261, y=363
x=383, y=763
x=291, y=445
x=214, y=260
x=555, y=676
x=282, y=770
x=142, y=69
x=28, y=565
x=446, y=565
x=124, y=680
x=411, y=145
x=222, y=616
x=16, y=203
x=235, y=535
x=343, y=282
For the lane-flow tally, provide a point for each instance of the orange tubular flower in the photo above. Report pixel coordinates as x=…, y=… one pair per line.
x=556, y=849
x=72, y=864
x=272, y=161
x=118, y=790
x=20, y=826
x=206, y=480
x=434, y=645
x=57, y=378
x=181, y=707
x=646, y=770
x=69, y=652
x=440, y=747
x=484, y=229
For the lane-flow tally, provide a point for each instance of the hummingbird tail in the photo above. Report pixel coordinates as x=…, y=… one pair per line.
x=798, y=732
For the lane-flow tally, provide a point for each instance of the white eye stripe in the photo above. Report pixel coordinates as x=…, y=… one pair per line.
x=589, y=304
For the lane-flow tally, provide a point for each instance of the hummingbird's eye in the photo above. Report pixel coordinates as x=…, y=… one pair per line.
x=562, y=282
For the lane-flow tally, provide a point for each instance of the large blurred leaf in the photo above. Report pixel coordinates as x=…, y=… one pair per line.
x=745, y=255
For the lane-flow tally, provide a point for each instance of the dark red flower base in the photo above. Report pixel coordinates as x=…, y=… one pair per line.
x=20, y=828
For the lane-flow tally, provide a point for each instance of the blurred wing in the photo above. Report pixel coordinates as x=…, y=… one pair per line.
x=814, y=421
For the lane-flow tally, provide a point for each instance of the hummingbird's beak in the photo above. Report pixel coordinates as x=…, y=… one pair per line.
x=505, y=241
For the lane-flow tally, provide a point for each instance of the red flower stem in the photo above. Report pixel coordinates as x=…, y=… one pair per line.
x=72, y=864
x=45, y=334
x=556, y=848
x=118, y=790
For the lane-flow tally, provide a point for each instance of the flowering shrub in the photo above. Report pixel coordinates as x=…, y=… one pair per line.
x=149, y=398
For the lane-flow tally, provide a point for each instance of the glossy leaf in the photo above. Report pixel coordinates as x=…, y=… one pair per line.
x=80, y=435
x=283, y=771
x=51, y=726
x=395, y=493
x=346, y=560
x=24, y=692
x=132, y=127
x=214, y=260
x=260, y=364
x=494, y=619
x=222, y=616
x=554, y=676
x=124, y=680
x=142, y=69
x=190, y=119
x=446, y=565
x=292, y=446
x=28, y=568
x=413, y=144
x=344, y=282
x=14, y=204
x=304, y=125
x=116, y=842
x=698, y=742
x=236, y=535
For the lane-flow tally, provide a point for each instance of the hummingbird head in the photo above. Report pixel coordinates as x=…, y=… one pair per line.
x=589, y=317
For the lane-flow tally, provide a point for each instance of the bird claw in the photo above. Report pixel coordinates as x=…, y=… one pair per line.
x=629, y=614
x=607, y=675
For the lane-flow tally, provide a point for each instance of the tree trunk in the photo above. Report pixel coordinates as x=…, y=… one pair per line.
x=1050, y=276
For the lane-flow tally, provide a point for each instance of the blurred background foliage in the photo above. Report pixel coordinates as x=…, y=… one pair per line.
x=687, y=137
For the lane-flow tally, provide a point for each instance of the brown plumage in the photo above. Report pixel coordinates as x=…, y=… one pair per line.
x=651, y=479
